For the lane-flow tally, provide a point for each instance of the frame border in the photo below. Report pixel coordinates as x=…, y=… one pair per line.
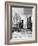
x=7, y=3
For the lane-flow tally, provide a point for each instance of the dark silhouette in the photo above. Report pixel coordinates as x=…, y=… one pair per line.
x=21, y=24
x=29, y=23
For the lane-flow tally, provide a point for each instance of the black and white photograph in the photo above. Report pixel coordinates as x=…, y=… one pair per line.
x=21, y=23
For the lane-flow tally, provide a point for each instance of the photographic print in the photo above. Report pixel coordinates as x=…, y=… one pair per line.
x=21, y=23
